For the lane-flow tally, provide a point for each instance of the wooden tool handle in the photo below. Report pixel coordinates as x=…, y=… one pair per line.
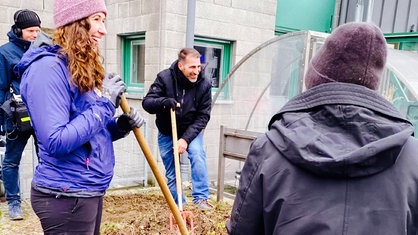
x=154, y=167
x=176, y=159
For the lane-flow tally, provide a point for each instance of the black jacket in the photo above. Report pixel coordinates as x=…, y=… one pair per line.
x=195, y=100
x=337, y=159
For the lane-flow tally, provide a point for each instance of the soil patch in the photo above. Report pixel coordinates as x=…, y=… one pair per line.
x=132, y=211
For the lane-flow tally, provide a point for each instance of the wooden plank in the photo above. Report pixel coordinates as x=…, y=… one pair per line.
x=234, y=144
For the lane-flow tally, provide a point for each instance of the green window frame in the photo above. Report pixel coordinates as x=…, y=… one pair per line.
x=403, y=41
x=133, y=63
x=216, y=61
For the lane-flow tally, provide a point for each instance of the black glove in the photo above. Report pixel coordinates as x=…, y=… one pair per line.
x=170, y=103
x=127, y=121
x=113, y=88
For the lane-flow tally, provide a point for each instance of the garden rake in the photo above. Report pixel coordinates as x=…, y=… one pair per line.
x=187, y=215
x=154, y=167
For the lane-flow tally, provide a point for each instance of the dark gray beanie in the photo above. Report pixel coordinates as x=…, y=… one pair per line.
x=26, y=18
x=353, y=53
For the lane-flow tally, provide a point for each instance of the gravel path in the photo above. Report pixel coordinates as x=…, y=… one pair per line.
x=30, y=225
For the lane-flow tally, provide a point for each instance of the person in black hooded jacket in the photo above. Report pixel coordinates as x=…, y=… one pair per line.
x=338, y=158
x=183, y=89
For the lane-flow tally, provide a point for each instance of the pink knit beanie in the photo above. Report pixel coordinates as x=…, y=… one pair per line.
x=69, y=11
x=353, y=53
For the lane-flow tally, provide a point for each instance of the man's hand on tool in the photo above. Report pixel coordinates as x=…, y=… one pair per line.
x=127, y=121
x=182, y=144
x=170, y=103
x=113, y=88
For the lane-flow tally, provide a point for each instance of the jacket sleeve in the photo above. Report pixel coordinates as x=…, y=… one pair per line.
x=247, y=211
x=48, y=96
x=152, y=102
x=202, y=117
x=114, y=130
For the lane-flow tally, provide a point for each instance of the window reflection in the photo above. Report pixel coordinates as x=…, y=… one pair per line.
x=211, y=63
x=138, y=65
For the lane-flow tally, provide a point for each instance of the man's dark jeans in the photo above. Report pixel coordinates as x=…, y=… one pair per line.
x=15, y=145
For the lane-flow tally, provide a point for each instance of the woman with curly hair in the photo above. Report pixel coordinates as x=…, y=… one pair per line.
x=72, y=104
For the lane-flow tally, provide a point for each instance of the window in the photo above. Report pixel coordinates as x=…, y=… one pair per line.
x=216, y=61
x=133, y=63
x=403, y=41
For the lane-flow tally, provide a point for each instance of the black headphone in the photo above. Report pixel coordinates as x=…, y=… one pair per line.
x=16, y=30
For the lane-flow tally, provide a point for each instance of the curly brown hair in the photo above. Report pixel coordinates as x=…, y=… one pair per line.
x=84, y=61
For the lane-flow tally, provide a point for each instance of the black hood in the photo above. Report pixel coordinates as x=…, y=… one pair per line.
x=340, y=130
x=18, y=41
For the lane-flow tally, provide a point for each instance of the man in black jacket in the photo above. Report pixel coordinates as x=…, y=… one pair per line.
x=183, y=89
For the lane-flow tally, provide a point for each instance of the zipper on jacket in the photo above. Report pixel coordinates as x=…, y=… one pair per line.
x=87, y=163
x=182, y=100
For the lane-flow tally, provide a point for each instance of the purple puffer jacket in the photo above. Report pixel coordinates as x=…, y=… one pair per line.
x=75, y=130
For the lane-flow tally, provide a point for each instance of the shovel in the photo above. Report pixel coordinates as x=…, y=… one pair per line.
x=154, y=167
x=187, y=215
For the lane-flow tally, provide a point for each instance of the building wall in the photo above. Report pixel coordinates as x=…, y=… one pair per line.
x=390, y=16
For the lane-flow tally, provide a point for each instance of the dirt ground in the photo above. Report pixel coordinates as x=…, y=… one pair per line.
x=132, y=211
